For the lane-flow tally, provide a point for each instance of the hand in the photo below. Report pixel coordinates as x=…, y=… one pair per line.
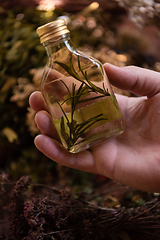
x=133, y=158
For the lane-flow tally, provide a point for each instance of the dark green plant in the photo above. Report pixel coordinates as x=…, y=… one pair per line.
x=76, y=130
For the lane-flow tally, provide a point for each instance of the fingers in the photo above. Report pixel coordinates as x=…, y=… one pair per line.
x=42, y=118
x=52, y=149
x=140, y=81
x=45, y=124
x=36, y=102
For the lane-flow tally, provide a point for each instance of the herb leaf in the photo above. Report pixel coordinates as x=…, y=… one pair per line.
x=73, y=130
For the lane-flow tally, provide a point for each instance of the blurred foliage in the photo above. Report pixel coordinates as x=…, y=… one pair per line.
x=40, y=211
x=22, y=53
x=22, y=58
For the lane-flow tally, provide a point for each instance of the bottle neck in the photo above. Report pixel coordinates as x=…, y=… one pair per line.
x=56, y=44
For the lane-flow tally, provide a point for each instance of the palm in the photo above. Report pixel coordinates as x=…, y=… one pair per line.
x=133, y=158
x=134, y=155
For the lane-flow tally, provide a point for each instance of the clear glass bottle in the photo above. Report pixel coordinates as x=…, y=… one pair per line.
x=77, y=92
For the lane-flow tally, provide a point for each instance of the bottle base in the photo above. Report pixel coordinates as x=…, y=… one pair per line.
x=96, y=139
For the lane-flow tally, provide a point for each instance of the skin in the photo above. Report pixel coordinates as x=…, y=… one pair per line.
x=133, y=158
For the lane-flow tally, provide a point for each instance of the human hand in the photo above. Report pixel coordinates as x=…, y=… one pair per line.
x=133, y=158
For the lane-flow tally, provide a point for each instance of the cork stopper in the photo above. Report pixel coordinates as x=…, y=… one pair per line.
x=51, y=30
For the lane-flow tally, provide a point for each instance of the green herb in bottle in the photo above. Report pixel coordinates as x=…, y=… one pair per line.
x=77, y=92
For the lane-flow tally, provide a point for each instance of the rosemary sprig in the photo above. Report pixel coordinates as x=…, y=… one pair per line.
x=72, y=130
x=93, y=87
x=71, y=71
x=81, y=128
x=76, y=130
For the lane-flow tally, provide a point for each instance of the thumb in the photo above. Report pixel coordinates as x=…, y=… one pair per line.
x=140, y=81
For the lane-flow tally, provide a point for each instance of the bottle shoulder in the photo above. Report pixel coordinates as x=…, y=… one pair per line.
x=73, y=63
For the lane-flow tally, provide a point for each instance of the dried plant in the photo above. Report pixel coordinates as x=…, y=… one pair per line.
x=62, y=215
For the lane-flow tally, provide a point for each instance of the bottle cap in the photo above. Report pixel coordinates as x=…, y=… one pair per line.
x=51, y=30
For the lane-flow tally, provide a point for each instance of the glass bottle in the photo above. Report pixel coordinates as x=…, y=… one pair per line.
x=77, y=92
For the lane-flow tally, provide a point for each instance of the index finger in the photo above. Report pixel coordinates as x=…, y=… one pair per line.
x=140, y=81
x=37, y=102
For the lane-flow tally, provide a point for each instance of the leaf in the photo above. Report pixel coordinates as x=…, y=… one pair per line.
x=62, y=109
x=80, y=93
x=73, y=98
x=70, y=70
x=17, y=44
x=90, y=99
x=8, y=84
x=73, y=104
x=83, y=127
x=114, y=101
x=63, y=131
x=79, y=65
x=64, y=66
x=10, y=134
x=96, y=89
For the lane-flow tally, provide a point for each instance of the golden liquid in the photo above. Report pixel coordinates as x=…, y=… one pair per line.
x=61, y=88
x=106, y=128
